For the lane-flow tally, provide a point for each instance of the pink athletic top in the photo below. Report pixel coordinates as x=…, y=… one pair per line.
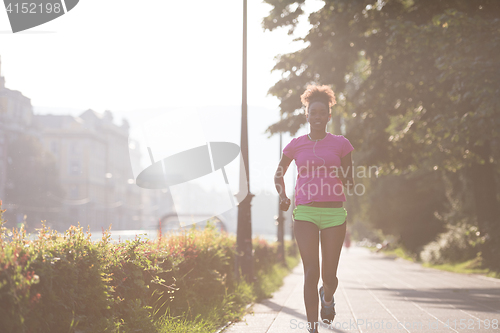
x=318, y=164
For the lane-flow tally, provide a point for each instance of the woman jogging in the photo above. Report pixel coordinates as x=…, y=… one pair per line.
x=324, y=167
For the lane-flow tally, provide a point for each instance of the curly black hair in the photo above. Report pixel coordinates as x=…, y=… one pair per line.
x=316, y=93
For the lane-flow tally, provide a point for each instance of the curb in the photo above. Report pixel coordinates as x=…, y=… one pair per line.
x=245, y=312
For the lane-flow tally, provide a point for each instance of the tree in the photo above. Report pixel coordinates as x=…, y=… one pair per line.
x=417, y=84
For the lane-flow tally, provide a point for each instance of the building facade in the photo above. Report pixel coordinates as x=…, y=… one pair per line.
x=92, y=154
x=92, y=158
x=16, y=119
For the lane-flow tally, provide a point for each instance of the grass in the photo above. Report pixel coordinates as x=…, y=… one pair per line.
x=472, y=266
x=467, y=267
x=269, y=282
x=400, y=253
x=214, y=316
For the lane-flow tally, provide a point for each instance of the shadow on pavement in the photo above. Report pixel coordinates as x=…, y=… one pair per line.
x=463, y=299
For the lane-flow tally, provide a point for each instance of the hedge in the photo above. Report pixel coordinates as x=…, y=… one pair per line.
x=67, y=283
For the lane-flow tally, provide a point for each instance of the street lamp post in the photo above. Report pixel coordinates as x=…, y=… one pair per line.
x=281, y=221
x=244, y=231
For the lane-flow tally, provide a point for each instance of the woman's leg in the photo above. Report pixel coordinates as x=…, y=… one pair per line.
x=307, y=237
x=331, y=244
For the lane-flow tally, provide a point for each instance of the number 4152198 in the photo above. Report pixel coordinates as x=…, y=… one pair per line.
x=33, y=8
x=472, y=324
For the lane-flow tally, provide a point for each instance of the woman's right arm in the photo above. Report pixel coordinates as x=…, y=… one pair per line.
x=280, y=183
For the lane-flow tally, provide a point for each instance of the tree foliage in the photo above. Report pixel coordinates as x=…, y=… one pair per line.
x=418, y=88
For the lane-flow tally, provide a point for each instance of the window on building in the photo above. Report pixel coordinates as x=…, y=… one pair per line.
x=74, y=148
x=75, y=168
x=54, y=147
x=74, y=192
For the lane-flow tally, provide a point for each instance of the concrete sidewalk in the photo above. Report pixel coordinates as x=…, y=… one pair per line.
x=381, y=294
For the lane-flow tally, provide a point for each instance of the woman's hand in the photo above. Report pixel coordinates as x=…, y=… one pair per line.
x=285, y=204
x=279, y=182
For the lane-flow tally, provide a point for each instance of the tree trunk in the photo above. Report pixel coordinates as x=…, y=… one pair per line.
x=484, y=188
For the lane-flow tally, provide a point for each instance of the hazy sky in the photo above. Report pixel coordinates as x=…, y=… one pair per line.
x=127, y=56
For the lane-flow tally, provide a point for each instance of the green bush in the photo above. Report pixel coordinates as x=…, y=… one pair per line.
x=67, y=283
x=460, y=243
x=54, y=283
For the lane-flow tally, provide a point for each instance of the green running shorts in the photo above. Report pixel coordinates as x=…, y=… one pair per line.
x=323, y=217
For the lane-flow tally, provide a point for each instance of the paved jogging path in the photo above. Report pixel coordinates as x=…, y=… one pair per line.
x=381, y=294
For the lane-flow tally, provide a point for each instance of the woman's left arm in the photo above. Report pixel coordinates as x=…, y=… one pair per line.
x=346, y=172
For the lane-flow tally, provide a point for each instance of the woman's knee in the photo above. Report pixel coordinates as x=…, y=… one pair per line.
x=330, y=279
x=311, y=275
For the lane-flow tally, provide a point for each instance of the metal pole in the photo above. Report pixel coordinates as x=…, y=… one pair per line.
x=244, y=231
x=292, y=232
x=281, y=222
